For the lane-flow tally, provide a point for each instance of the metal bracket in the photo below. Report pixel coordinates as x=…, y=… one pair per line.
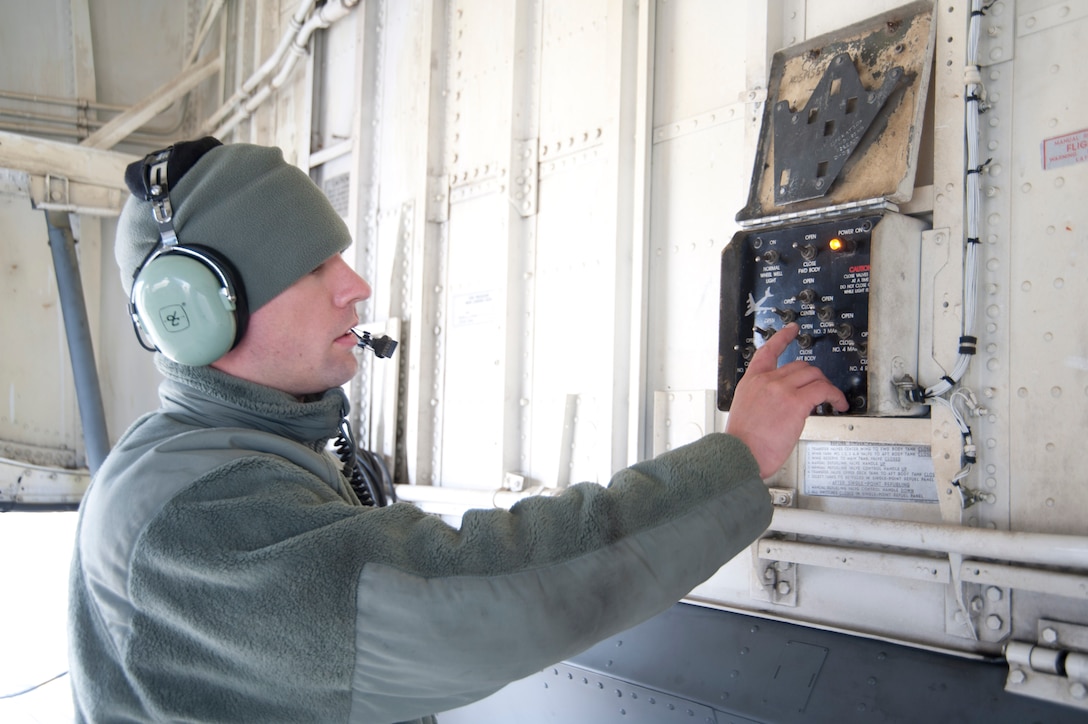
x=438, y=198
x=56, y=188
x=1054, y=669
x=523, y=184
x=514, y=482
x=50, y=192
x=775, y=581
x=782, y=497
x=850, y=208
x=482, y=180
x=811, y=146
x=27, y=485
x=973, y=610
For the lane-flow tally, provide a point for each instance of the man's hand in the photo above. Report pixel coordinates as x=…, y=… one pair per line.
x=771, y=403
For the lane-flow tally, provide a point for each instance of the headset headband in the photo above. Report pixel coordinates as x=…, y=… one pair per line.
x=186, y=298
x=150, y=179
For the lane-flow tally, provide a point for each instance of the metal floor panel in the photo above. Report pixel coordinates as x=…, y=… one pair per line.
x=703, y=666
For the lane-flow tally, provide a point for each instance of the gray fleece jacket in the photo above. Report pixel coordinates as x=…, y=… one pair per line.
x=225, y=572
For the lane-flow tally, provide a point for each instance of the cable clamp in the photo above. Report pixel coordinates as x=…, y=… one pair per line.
x=980, y=168
x=972, y=75
x=969, y=449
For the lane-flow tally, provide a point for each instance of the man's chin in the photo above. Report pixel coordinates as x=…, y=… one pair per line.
x=348, y=373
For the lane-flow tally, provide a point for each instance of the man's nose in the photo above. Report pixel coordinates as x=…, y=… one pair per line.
x=353, y=288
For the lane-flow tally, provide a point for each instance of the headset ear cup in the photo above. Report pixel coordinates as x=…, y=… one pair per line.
x=187, y=301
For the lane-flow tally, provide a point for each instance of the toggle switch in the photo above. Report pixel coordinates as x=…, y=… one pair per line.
x=808, y=251
x=786, y=315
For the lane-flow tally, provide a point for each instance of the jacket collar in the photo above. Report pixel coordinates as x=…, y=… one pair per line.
x=210, y=398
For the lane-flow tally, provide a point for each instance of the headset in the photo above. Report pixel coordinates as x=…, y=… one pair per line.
x=186, y=299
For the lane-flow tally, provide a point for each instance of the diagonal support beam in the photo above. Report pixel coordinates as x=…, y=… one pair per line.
x=125, y=124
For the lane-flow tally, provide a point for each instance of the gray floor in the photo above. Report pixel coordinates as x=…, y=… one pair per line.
x=698, y=665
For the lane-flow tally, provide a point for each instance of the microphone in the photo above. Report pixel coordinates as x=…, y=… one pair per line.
x=381, y=346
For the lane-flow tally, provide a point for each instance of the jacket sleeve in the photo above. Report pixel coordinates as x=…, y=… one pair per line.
x=260, y=572
x=458, y=614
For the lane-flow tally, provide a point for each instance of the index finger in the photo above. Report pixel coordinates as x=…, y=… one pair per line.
x=766, y=357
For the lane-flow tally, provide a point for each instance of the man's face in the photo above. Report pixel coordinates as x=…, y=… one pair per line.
x=300, y=342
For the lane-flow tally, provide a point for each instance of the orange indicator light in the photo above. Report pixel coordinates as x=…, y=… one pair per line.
x=836, y=244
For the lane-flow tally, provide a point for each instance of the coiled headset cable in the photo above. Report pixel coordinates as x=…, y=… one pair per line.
x=365, y=471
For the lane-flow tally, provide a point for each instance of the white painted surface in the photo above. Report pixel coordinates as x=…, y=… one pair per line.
x=556, y=272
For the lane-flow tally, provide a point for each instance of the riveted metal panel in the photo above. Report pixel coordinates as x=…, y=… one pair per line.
x=466, y=326
x=572, y=324
x=701, y=104
x=570, y=315
x=1048, y=364
x=700, y=58
x=472, y=330
x=698, y=665
x=39, y=420
x=481, y=88
x=575, y=92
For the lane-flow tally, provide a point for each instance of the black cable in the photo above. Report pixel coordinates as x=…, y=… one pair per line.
x=375, y=467
x=32, y=688
x=365, y=482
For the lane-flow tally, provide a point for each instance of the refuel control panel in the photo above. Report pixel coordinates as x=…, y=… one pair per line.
x=832, y=278
x=822, y=241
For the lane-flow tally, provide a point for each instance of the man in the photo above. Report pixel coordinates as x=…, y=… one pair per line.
x=224, y=569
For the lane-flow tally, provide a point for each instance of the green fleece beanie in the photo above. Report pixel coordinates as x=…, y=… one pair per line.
x=245, y=202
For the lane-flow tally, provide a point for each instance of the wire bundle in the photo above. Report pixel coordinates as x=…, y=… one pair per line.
x=962, y=402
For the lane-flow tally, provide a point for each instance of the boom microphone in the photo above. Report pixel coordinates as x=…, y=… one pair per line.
x=381, y=346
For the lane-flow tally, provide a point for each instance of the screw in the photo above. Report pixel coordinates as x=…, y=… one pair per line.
x=1078, y=690
x=1017, y=676
x=1050, y=635
x=994, y=623
x=783, y=588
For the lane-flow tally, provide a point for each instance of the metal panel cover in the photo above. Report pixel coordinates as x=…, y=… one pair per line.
x=892, y=54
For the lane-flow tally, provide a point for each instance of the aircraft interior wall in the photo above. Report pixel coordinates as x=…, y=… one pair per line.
x=580, y=217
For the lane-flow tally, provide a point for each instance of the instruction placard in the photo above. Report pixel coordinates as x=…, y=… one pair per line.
x=474, y=308
x=870, y=470
x=1064, y=150
x=338, y=189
